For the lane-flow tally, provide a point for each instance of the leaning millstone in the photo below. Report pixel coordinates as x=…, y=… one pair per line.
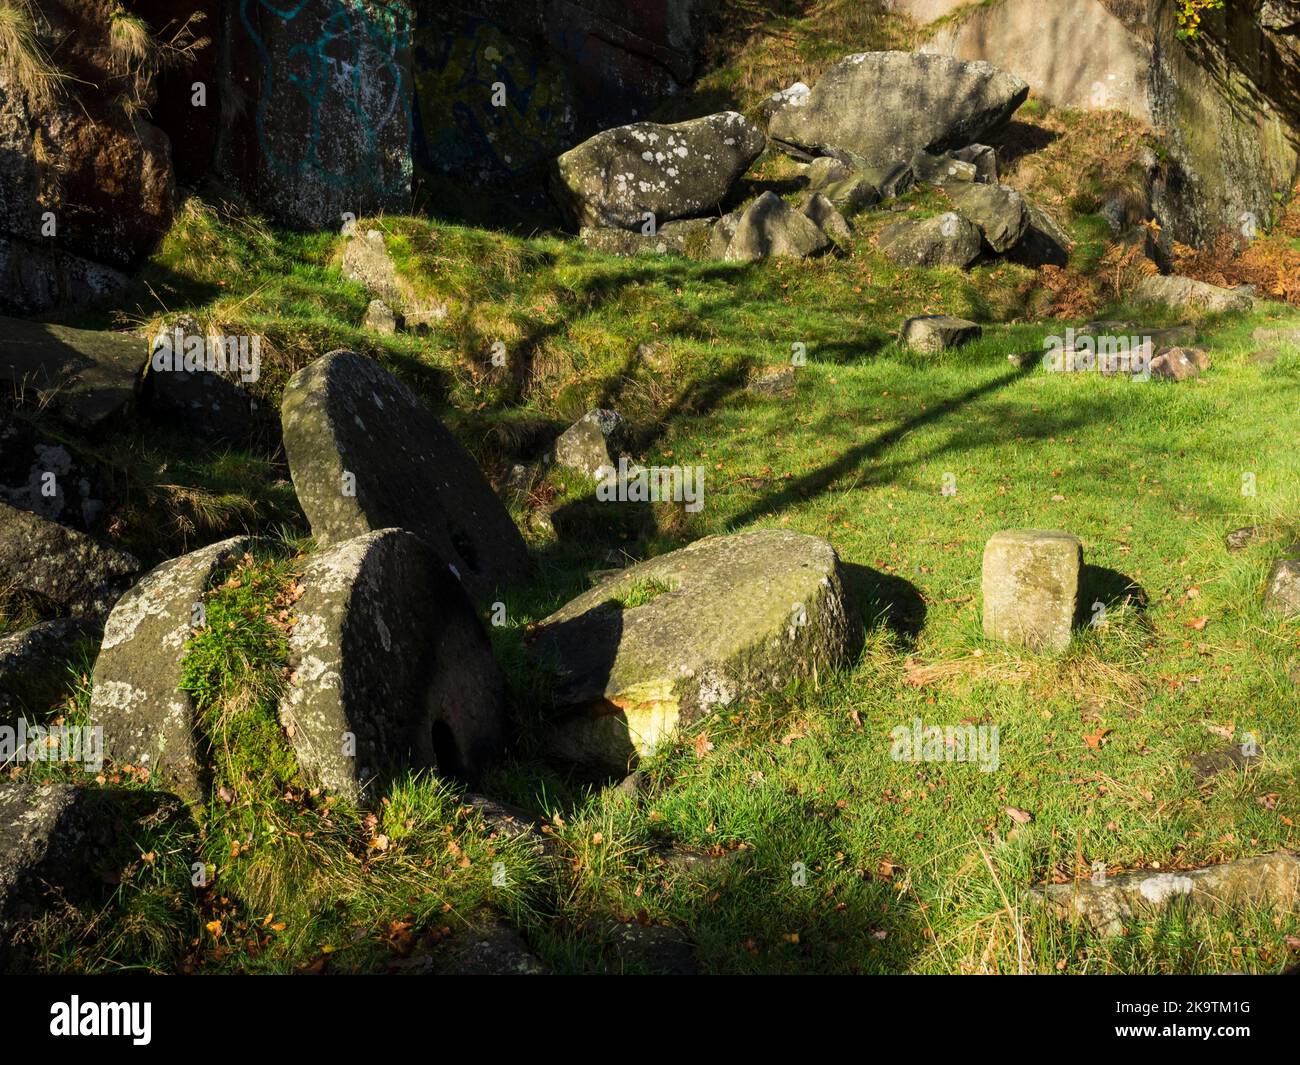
x=592, y=443
x=61, y=566
x=680, y=171
x=148, y=720
x=1184, y=293
x=933, y=333
x=769, y=228
x=1031, y=587
x=686, y=238
x=945, y=240
x=62, y=845
x=1283, y=594
x=366, y=454
x=942, y=170
x=1269, y=881
x=390, y=668
x=998, y=211
x=1180, y=364
x=381, y=318
x=87, y=377
x=727, y=618
x=823, y=214
x=34, y=670
x=883, y=106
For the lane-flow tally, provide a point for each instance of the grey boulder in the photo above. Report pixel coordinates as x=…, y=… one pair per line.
x=770, y=228
x=944, y=240
x=998, y=211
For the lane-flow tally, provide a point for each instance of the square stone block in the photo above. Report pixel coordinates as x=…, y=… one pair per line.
x=1031, y=587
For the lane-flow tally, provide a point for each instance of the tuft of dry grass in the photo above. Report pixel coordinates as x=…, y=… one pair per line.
x=23, y=60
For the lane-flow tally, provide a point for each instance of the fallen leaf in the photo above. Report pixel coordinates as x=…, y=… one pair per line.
x=1020, y=817
x=1197, y=623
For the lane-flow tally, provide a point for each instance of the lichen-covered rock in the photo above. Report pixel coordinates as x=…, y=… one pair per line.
x=591, y=443
x=35, y=278
x=944, y=240
x=770, y=228
x=1184, y=293
x=40, y=474
x=983, y=158
x=381, y=318
x=366, y=454
x=619, y=176
x=34, y=661
x=1045, y=243
x=87, y=377
x=942, y=170
x=1031, y=587
x=1266, y=881
x=933, y=333
x=136, y=698
x=61, y=844
x=826, y=170
x=884, y=106
x=391, y=669
x=997, y=210
x=720, y=236
x=367, y=262
x=62, y=567
x=1282, y=595
x=687, y=237
x=1180, y=364
x=726, y=618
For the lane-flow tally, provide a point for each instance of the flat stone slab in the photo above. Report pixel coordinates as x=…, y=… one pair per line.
x=147, y=720
x=1184, y=292
x=1109, y=907
x=933, y=333
x=390, y=667
x=1031, y=587
x=61, y=566
x=88, y=377
x=726, y=618
x=366, y=454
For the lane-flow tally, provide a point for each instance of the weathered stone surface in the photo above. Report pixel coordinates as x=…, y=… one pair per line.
x=1124, y=901
x=1272, y=335
x=591, y=443
x=883, y=106
x=1180, y=364
x=890, y=179
x=35, y=278
x=381, y=318
x=618, y=176
x=60, y=566
x=981, y=156
x=773, y=381
x=826, y=170
x=350, y=426
x=649, y=948
x=367, y=262
x=391, y=669
x=1031, y=587
x=1240, y=539
x=933, y=333
x=823, y=214
x=1282, y=595
x=326, y=124
x=1045, y=243
x=720, y=236
x=87, y=377
x=998, y=211
x=63, y=844
x=489, y=950
x=34, y=664
x=685, y=237
x=179, y=386
x=942, y=170
x=147, y=720
x=944, y=240
x=1186, y=293
x=39, y=474
x=745, y=614
x=770, y=228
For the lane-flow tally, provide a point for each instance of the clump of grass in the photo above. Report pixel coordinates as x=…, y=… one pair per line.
x=138, y=54
x=24, y=61
x=640, y=592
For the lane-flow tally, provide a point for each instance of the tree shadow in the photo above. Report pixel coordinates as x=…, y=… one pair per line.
x=886, y=601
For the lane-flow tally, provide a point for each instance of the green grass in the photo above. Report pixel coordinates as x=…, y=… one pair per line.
x=817, y=851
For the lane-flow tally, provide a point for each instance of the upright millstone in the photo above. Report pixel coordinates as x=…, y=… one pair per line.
x=390, y=667
x=366, y=454
x=1031, y=587
x=137, y=699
